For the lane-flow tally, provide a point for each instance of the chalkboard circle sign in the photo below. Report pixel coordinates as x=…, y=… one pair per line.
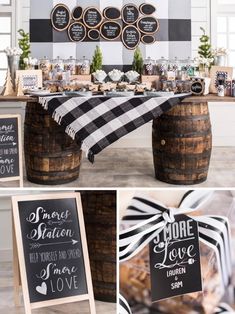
x=77, y=31
x=130, y=13
x=148, y=25
x=147, y=9
x=60, y=17
x=197, y=87
x=94, y=34
x=112, y=13
x=110, y=30
x=148, y=39
x=92, y=17
x=131, y=37
x=77, y=13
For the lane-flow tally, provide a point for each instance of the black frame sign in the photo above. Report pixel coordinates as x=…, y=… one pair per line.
x=130, y=13
x=52, y=250
x=92, y=17
x=76, y=31
x=60, y=17
x=11, y=168
x=131, y=37
x=110, y=30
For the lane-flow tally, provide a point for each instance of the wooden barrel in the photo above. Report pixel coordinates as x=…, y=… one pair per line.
x=99, y=209
x=182, y=143
x=51, y=156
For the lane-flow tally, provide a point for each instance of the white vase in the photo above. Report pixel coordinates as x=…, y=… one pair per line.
x=13, y=65
x=220, y=61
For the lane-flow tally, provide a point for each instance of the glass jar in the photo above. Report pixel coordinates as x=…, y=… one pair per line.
x=58, y=64
x=83, y=67
x=70, y=65
x=149, y=67
x=45, y=66
x=161, y=67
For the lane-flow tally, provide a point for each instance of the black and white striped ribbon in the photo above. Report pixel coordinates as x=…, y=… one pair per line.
x=145, y=219
x=223, y=308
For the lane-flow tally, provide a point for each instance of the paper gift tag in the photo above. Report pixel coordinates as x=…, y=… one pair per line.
x=175, y=260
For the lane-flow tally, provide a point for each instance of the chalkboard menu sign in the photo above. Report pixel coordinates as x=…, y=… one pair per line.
x=147, y=9
x=112, y=13
x=148, y=25
x=10, y=148
x=52, y=248
x=94, y=34
x=60, y=17
x=130, y=13
x=110, y=30
x=148, y=39
x=131, y=37
x=77, y=31
x=92, y=17
x=77, y=13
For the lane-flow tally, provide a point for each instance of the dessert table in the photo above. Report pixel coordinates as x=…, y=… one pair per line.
x=181, y=142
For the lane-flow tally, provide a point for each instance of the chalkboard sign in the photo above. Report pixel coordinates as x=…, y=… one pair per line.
x=110, y=30
x=198, y=87
x=148, y=39
x=112, y=13
x=77, y=13
x=92, y=17
x=77, y=31
x=131, y=37
x=60, y=17
x=130, y=13
x=147, y=9
x=148, y=25
x=94, y=34
x=52, y=249
x=10, y=148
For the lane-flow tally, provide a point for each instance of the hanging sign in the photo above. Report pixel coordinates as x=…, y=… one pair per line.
x=112, y=13
x=175, y=260
x=110, y=30
x=11, y=168
x=148, y=25
x=52, y=250
x=131, y=37
x=92, y=17
x=77, y=31
x=148, y=39
x=60, y=17
x=94, y=34
x=147, y=9
x=130, y=13
x=77, y=13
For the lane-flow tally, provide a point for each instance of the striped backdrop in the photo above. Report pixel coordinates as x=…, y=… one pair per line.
x=173, y=38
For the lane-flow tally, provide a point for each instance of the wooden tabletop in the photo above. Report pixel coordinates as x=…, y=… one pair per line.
x=208, y=98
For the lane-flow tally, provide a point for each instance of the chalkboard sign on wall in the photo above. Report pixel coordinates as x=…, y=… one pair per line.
x=10, y=148
x=77, y=13
x=60, y=17
x=147, y=39
x=112, y=13
x=77, y=31
x=130, y=13
x=52, y=249
x=131, y=37
x=148, y=25
x=94, y=34
x=147, y=9
x=92, y=17
x=110, y=30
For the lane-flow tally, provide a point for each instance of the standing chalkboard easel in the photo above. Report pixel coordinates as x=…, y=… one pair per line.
x=11, y=165
x=50, y=252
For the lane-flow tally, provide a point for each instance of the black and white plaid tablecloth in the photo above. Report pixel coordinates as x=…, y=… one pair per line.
x=97, y=122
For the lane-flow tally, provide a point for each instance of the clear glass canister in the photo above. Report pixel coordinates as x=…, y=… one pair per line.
x=83, y=67
x=70, y=65
x=149, y=67
x=58, y=64
x=45, y=66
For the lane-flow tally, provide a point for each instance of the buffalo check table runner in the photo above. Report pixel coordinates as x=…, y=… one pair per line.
x=99, y=121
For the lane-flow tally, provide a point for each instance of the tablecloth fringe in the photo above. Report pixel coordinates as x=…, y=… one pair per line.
x=44, y=102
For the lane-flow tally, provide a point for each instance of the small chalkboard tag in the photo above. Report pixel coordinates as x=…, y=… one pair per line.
x=197, y=87
x=148, y=39
x=60, y=17
x=92, y=17
x=148, y=25
x=175, y=260
x=110, y=30
x=10, y=148
x=147, y=9
x=112, y=13
x=130, y=14
x=52, y=249
x=77, y=31
x=131, y=37
x=94, y=34
x=77, y=13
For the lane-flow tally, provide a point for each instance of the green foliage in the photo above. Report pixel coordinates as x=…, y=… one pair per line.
x=138, y=61
x=24, y=45
x=97, y=60
x=204, y=49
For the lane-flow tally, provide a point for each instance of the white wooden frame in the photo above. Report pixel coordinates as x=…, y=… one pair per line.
x=20, y=177
x=18, y=256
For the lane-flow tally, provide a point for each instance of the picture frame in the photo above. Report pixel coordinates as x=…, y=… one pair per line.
x=28, y=79
x=216, y=72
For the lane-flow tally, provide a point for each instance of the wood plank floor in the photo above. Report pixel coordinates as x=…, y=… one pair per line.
x=123, y=167
x=7, y=304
